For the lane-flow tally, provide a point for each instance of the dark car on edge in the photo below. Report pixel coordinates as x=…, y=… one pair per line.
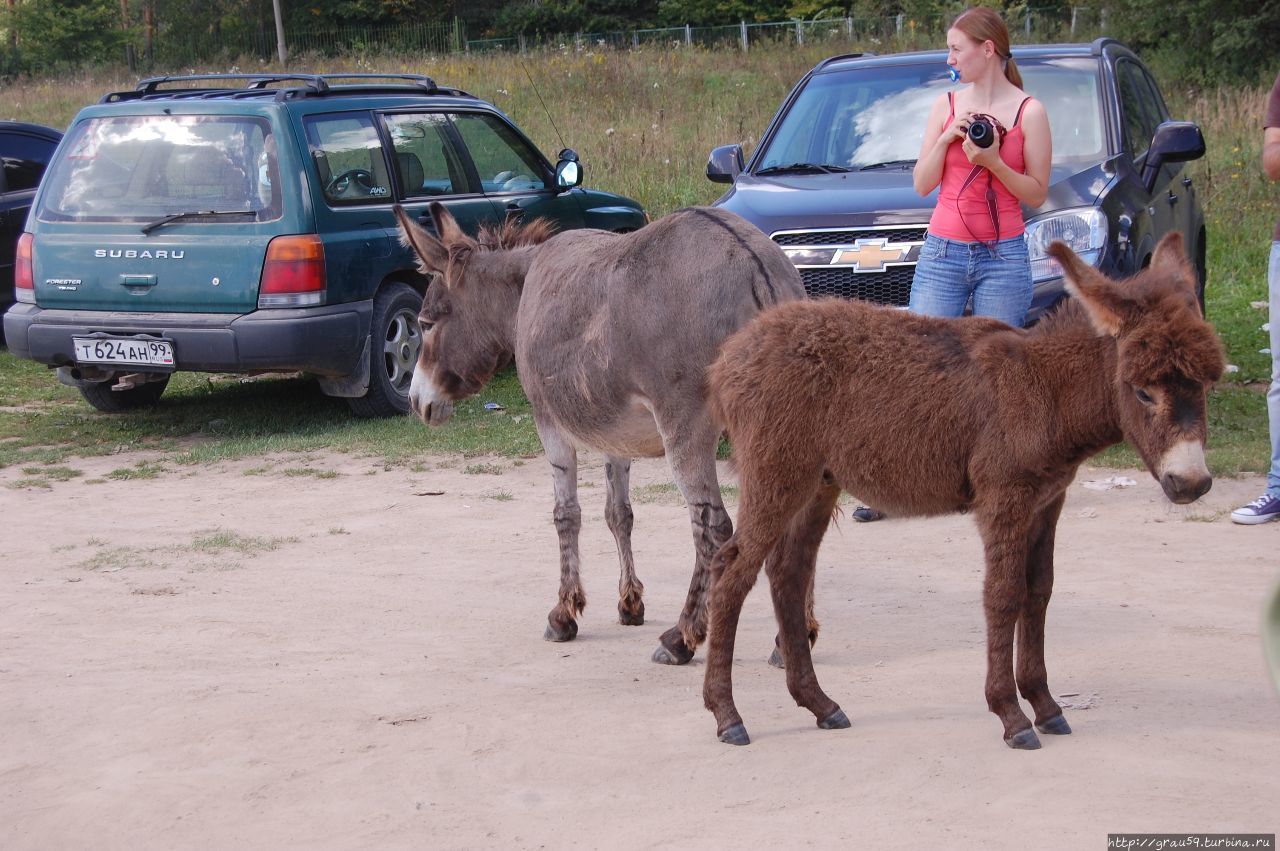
x=25, y=150
x=831, y=179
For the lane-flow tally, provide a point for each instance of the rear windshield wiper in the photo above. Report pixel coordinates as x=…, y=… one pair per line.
x=195, y=214
x=888, y=164
x=829, y=168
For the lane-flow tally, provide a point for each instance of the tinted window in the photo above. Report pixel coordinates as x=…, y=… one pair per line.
x=1141, y=115
x=425, y=160
x=24, y=158
x=349, y=160
x=506, y=162
x=138, y=168
x=876, y=115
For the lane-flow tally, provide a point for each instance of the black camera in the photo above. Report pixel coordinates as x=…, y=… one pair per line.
x=982, y=131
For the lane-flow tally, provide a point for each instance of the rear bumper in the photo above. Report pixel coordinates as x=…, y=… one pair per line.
x=324, y=340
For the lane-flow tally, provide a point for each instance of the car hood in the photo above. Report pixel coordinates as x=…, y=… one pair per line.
x=874, y=198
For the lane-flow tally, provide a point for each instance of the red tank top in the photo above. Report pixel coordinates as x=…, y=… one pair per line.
x=976, y=223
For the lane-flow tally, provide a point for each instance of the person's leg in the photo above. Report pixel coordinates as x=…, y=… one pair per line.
x=941, y=283
x=1273, y=395
x=1267, y=507
x=1004, y=282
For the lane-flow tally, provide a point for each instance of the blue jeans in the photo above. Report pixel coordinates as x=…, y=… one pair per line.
x=1273, y=394
x=950, y=271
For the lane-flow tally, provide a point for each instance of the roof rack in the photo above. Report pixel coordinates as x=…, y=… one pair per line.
x=254, y=85
x=831, y=59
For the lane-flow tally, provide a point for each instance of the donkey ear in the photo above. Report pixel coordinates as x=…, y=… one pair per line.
x=1170, y=261
x=446, y=225
x=432, y=256
x=1104, y=304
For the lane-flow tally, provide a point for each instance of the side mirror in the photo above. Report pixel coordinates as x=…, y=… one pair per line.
x=1173, y=142
x=725, y=164
x=568, y=169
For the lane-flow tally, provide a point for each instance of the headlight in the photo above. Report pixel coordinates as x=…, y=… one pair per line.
x=1084, y=230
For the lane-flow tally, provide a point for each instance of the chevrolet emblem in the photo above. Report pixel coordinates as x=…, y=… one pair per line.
x=869, y=255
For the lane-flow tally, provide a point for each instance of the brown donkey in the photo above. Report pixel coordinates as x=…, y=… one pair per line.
x=925, y=416
x=612, y=335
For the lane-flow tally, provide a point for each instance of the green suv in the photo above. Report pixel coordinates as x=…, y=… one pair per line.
x=229, y=223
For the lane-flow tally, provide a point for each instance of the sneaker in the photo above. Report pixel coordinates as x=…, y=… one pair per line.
x=1262, y=509
x=870, y=515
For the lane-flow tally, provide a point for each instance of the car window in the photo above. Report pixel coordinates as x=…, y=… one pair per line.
x=859, y=118
x=348, y=157
x=1140, y=115
x=138, y=168
x=1071, y=94
x=506, y=162
x=24, y=158
x=1156, y=99
x=425, y=160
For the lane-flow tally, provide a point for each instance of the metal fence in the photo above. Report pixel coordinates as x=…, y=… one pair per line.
x=1076, y=23
x=1053, y=24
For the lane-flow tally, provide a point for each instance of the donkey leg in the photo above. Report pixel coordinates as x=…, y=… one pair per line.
x=791, y=568
x=620, y=519
x=1033, y=680
x=770, y=498
x=691, y=449
x=811, y=618
x=562, y=624
x=1004, y=527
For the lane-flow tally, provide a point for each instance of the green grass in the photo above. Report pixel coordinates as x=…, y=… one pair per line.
x=204, y=419
x=643, y=122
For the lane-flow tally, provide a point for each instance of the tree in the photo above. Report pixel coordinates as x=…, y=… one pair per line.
x=68, y=32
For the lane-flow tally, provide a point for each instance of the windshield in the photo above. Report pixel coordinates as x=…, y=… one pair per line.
x=874, y=115
x=142, y=168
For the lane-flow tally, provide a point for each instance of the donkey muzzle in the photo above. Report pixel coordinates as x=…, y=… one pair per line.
x=1183, y=474
x=425, y=402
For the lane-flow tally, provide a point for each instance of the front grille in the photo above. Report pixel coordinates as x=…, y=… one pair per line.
x=892, y=286
x=875, y=264
x=841, y=237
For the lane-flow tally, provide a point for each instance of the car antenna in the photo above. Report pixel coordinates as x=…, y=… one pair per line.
x=534, y=85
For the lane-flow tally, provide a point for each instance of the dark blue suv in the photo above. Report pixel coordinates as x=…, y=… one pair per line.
x=831, y=179
x=226, y=223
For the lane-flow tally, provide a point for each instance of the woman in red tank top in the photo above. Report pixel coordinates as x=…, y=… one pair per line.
x=974, y=248
x=981, y=190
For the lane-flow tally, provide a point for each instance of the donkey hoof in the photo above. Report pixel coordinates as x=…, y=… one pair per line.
x=1024, y=740
x=635, y=618
x=568, y=632
x=1055, y=726
x=672, y=650
x=835, y=721
x=735, y=735
x=776, y=659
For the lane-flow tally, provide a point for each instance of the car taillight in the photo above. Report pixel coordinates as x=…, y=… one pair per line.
x=24, y=284
x=293, y=273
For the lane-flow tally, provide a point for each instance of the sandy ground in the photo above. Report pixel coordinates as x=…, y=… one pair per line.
x=317, y=652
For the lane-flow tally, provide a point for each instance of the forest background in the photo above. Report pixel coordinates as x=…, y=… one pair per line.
x=1194, y=41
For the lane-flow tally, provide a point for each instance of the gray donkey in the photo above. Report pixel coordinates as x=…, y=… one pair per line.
x=612, y=336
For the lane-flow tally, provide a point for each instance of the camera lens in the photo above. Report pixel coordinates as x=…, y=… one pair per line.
x=981, y=133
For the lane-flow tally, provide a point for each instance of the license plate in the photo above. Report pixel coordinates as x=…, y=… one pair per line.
x=127, y=351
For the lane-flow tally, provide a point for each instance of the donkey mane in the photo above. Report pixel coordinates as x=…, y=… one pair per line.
x=514, y=234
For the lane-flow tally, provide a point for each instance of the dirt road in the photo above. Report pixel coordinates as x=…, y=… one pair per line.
x=317, y=652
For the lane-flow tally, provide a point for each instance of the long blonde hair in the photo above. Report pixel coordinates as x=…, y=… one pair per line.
x=983, y=24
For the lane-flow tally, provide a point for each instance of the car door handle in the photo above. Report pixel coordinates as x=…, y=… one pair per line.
x=1173, y=199
x=514, y=212
x=1186, y=181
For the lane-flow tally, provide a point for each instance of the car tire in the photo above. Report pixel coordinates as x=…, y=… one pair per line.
x=393, y=352
x=101, y=396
